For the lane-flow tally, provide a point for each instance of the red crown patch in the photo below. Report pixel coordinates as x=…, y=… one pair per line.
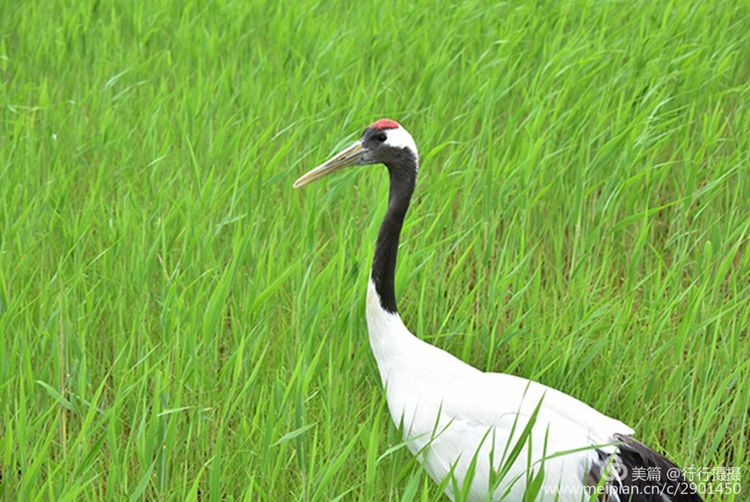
x=385, y=124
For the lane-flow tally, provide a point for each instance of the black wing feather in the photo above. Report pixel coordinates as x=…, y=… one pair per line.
x=634, y=457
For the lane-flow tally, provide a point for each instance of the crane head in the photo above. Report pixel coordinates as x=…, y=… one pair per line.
x=383, y=142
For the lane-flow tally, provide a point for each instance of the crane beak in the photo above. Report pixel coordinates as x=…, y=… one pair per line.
x=349, y=156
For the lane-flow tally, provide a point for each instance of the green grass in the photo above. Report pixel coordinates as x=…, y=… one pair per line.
x=178, y=323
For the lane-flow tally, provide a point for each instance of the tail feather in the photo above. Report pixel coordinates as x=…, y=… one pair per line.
x=639, y=474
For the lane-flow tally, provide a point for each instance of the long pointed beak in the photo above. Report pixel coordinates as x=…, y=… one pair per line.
x=347, y=157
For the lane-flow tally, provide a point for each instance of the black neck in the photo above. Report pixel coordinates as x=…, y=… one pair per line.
x=403, y=179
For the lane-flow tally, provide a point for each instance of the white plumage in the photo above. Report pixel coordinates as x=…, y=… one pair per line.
x=450, y=410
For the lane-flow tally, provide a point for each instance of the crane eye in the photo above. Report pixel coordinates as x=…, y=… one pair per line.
x=380, y=137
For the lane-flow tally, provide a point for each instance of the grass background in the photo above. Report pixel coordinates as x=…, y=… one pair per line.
x=178, y=323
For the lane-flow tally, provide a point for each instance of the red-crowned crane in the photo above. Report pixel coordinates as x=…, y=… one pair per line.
x=466, y=423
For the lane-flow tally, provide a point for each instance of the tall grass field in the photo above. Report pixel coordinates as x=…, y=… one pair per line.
x=178, y=323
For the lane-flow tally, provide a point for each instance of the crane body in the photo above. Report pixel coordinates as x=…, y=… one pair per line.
x=492, y=434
